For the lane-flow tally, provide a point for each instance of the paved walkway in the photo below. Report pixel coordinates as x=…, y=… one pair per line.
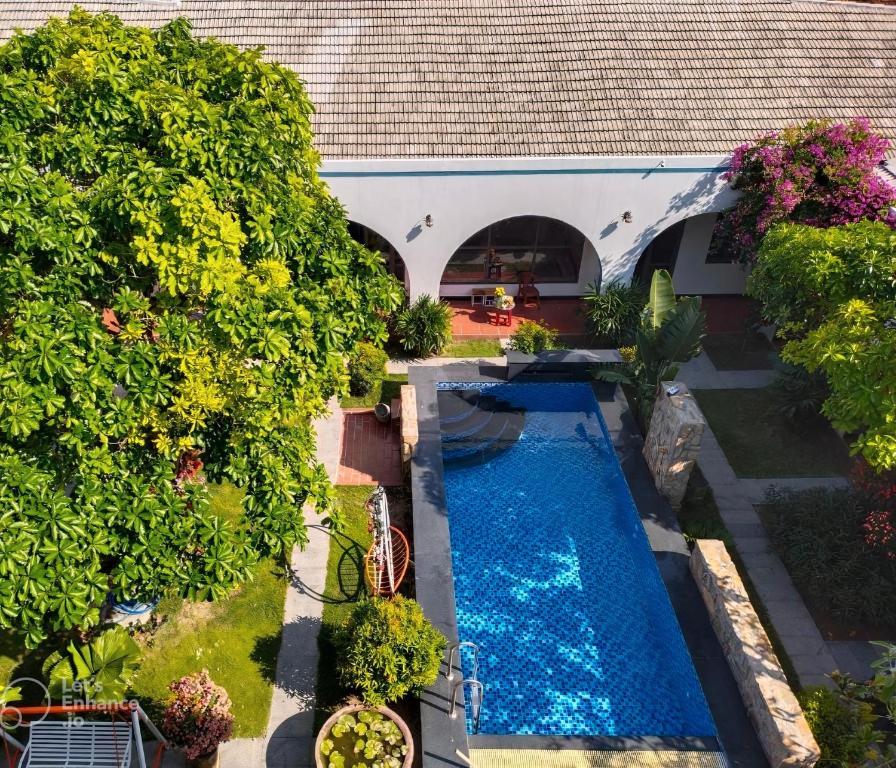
x=810, y=655
x=371, y=452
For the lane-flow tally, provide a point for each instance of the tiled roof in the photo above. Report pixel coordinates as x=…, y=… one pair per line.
x=469, y=78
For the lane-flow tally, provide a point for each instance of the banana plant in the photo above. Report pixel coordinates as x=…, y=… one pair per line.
x=671, y=333
x=101, y=670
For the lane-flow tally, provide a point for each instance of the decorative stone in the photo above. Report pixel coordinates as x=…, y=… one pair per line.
x=410, y=433
x=774, y=710
x=673, y=440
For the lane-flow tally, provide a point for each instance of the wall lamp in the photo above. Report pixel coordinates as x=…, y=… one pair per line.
x=428, y=220
x=627, y=217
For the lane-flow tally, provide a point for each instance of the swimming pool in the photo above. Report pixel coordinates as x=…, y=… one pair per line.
x=553, y=574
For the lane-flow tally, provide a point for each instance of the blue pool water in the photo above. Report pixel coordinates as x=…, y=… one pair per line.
x=555, y=581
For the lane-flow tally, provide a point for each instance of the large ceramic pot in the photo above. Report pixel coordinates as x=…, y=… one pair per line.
x=211, y=760
x=321, y=762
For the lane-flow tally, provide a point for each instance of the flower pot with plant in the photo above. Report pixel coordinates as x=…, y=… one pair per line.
x=357, y=735
x=198, y=718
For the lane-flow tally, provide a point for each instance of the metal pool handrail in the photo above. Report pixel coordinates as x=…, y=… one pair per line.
x=454, y=651
x=475, y=702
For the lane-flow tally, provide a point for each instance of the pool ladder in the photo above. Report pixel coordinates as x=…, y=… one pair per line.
x=476, y=690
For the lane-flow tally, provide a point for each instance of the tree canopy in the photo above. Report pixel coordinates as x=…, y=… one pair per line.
x=177, y=287
x=833, y=292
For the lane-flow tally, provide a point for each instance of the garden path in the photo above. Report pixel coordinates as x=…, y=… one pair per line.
x=812, y=657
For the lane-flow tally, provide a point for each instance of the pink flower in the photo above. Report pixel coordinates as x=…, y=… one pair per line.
x=198, y=717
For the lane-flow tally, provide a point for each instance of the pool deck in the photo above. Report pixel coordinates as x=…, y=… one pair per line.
x=444, y=738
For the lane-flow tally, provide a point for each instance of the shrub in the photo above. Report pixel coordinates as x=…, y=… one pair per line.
x=843, y=729
x=366, y=368
x=424, y=327
x=197, y=718
x=613, y=315
x=819, y=536
x=388, y=649
x=802, y=393
x=877, y=494
x=533, y=337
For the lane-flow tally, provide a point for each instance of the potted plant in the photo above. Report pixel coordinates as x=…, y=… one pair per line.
x=358, y=735
x=502, y=300
x=198, y=719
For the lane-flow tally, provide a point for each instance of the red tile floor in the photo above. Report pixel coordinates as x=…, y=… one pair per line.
x=565, y=315
x=371, y=452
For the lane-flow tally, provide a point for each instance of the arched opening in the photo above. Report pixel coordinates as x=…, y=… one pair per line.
x=374, y=241
x=550, y=249
x=686, y=250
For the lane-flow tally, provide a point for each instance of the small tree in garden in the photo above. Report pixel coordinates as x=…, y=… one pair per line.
x=176, y=285
x=197, y=718
x=388, y=649
x=820, y=173
x=670, y=332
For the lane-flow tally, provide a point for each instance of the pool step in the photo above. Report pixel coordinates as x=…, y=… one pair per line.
x=475, y=427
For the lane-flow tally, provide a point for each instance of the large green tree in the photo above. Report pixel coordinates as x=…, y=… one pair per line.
x=176, y=285
x=833, y=293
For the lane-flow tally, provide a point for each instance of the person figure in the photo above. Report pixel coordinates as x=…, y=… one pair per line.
x=493, y=265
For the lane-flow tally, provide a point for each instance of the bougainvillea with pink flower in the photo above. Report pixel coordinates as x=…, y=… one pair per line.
x=198, y=718
x=876, y=492
x=820, y=173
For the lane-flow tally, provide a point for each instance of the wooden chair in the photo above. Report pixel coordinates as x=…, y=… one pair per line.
x=527, y=289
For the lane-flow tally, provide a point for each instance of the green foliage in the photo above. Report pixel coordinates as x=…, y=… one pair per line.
x=833, y=291
x=101, y=670
x=366, y=368
x=533, y=337
x=175, y=281
x=818, y=534
x=670, y=333
x=388, y=649
x=804, y=273
x=424, y=327
x=844, y=731
x=614, y=313
x=801, y=394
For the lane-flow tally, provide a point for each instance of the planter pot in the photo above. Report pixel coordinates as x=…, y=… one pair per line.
x=383, y=413
x=210, y=760
x=351, y=709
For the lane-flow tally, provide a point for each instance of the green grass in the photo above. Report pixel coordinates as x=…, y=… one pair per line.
x=699, y=518
x=344, y=587
x=474, y=348
x=389, y=389
x=236, y=640
x=739, y=352
x=759, y=442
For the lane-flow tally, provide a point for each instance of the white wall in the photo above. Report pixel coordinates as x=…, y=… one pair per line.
x=393, y=197
x=692, y=274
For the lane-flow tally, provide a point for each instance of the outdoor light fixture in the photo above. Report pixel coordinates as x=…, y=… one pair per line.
x=627, y=217
x=428, y=220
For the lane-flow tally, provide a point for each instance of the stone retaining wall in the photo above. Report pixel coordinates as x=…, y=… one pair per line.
x=410, y=432
x=776, y=714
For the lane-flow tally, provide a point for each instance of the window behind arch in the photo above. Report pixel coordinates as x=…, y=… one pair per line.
x=547, y=247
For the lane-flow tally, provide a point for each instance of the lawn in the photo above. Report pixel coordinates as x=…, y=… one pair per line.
x=759, y=442
x=474, y=348
x=390, y=388
x=344, y=586
x=739, y=352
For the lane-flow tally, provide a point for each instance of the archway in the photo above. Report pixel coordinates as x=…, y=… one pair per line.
x=549, y=248
x=686, y=250
x=374, y=241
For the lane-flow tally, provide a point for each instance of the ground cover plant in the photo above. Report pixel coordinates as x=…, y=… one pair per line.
x=383, y=392
x=177, y=288
x=474, y=348
x=820, y=536
x=739, y=351
x=759, y=440
x=533, y=337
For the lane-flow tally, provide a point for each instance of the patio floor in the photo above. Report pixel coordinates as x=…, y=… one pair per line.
x=564, y=315
x=371, y=452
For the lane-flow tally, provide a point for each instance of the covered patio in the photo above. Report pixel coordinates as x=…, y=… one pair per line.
x=478, y=322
